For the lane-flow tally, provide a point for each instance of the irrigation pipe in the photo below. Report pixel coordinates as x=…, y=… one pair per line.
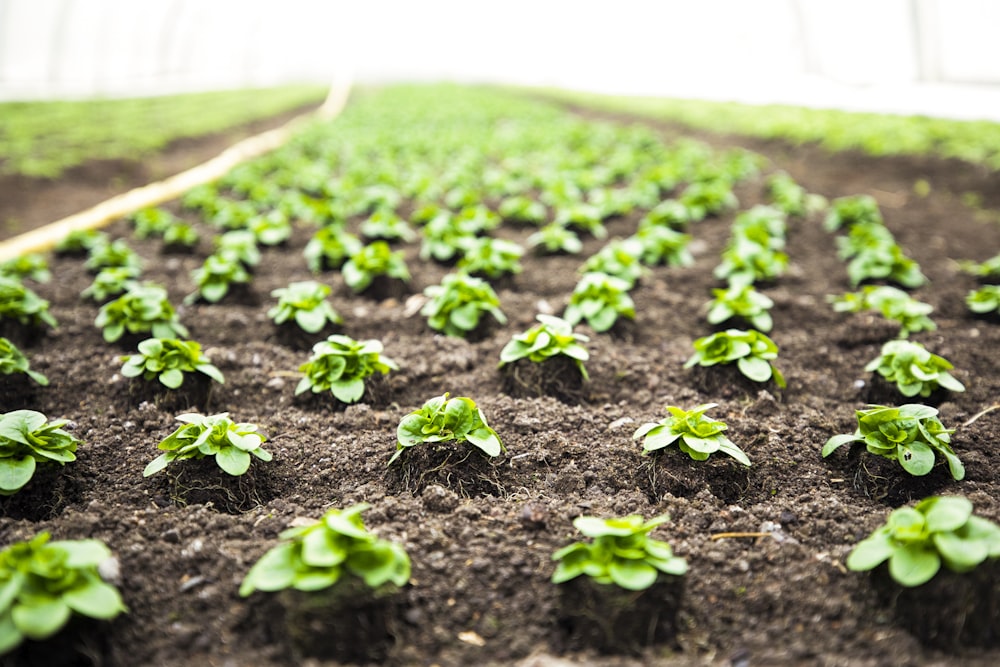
x=119, y=206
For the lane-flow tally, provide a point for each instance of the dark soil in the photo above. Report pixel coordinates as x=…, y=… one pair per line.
x=481, y=533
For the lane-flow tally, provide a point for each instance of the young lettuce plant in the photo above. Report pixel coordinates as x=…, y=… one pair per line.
x=490, y=257
x=443, y=419
x=456, y=306
x=618, y=258
x=22, y=304
x=551, y=337
x=111, y=282
x=695, y=435
x=27, y=439
x=12, y=360
x=445, y=236
x=741, y=301
x=305, y=304
x=910, y=434
x=984, y=300
x=621, y=553
x=990, y=269
x=792, y=198
x=914, y=369
x=585, y=217
x=215, y=276
x=917, y=541
x=238, y=246
x=31, y=266
x=662, y=245
x=152, y=221
x=522, y=209
x=708, y=198
x=599, y=299
x=144, y=308
x=43, y=583
x=340, y=365
x=115, y=253
x=271, y=229
x=850, y=211
x=330, y=247
x=892, y=303
x=318, y=555
x=386, y=225
x=752, y=351
x=168, y=359
x=556, y=238
x=372, y=260
x=211, y=435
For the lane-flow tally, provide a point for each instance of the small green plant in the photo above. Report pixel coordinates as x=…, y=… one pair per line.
x=490, y=257
x=752, y=351
x=330, y=247
x=340, y=365
x=31, y=266
x=217, y=435
x=745, y=262
x=445, y=236
x=792, y=198
x=80, y=241
x=318, y=555
x=695, y=435
x=27, y=439
x=741, y=301
x=374, y=259
x=853, y=210
x=386, y=225
x=585, y=217
x=152, y=221
x=144, y=308
x=556, y=238
x=180, y=235
x=116, y=253
x=551, y=337
x=914, y=369
x=304, y=303
x=918, y=540
x=618, y=258
x=661, y=244
x=708, y=198
x=110, y=282
x=892, y=303
x=215, y=276
x=520, y=208
x=238, y=246
x=989, y=269
x=886, y=262
x=599, y=299
x=43, y=583
x=443, y=419
x=271, y=229
x=168, y=359
x=12, y=360
x=984, y=300
x=911, y=434
x=621, y=553
x=20, y=303
x=456, y=306
x=668, y=213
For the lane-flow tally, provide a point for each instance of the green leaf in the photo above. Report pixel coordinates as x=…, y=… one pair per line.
x=945, y=514
x=15, y=473
x=912, y=565
x=41, y=621
x=17, y=424
x=172, y=378
x=233, y=460
x=83, y=553
x=273, y=572
x=960, y=555
x=917, y=458
x=485, y=439
x=634, y=575
x=96, y=600
x=10, y=636
x=311, y=321
x=349, y=390
x=837, y=441
x=870, y=552
x=755, y=368
x=320, y=548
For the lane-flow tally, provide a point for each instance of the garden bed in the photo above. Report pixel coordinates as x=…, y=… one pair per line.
x=480, y=533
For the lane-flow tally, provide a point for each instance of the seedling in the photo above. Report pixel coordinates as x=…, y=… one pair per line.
x=215, y=276
x=914, y=370
x=555, y=238
x=31, y=266
x=911, y=434
x=271, y=229
x=443, y=419
x=111, y=282
x=490, y=257
x=621, y=553
x=599, y=299
x=864, y=237
x=44, y=583
x=117, y=253
x=578, y=215
x=885, y=263
x=741, y=301
x=80, y=241
x=893, y=303
x=984, y=300
x=445, y=236
x=456, y=306
x=708, y=198
x=989, y=269
x=663, y=245
x=752, y=351
x=318, y=555
x=12, y=360
x=745, y=262
x=551, y=337
x=168, y=359
x=386, y=225
x=27, y=439
x=618, y=258
x=330, y=247
x=232, y=215
x=848, y=211
x=238, y=246
x=304, y=303
x=792, y=198
x=374, y=259
x=340, y=365
x=180, y=235
x=695, y=434
x=20, y=303
x=668, y=213
x=152, y=221
x=213, y=435
x=144, y=308
x=917, y=541
x=520, y=208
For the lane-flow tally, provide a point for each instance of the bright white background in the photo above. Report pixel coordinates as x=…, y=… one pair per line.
x=923, y=56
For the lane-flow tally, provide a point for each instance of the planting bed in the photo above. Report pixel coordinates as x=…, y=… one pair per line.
x=480, y=533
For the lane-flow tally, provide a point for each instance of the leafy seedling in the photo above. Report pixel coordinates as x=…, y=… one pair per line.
x=27, y=439
x=551, y=337
x=741, y=301
x=989, y=269
x=910, y=434
x=916, y=541
x=144, y=308
x=152, y=221
x=229, y=442
x=305, y=304
x=111, y=282
x=708, y=198
x=443, y=419
x=892, y=303
x=32, y=266
x=850, y=211
x=456, y=306
x=117, y=253
x=374, y=259
x=522, y=209
x=386, y=225
x=215, y=276
x=271, y=229
x=555, y=238
x=167, y=360
x=490, y=257
x=752, y=351
x=22, y=304
x=660, y=244
x=43, y=583
x=599, y=299
x=695, y=434
x=618, y=258
x=621, y=553
x=914, y=369
x=792, y=198
x=340, y=365
x=984, y=300
x=12, y=360
x=330, y=247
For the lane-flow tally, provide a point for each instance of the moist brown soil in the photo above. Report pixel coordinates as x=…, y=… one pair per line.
x=480, y=532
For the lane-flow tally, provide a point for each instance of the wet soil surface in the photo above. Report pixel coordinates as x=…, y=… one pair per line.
x=481, y=532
